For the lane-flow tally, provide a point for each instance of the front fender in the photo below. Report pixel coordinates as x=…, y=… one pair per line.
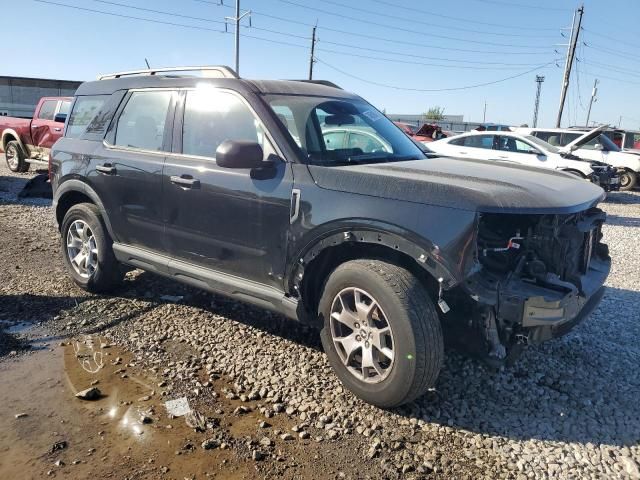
x=427, y=254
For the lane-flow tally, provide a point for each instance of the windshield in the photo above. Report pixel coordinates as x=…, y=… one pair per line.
x=339, y=131
x=542, y=144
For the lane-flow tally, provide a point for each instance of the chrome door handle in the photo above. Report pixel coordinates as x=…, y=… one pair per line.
x=35, y=126
x=185, y=181
x=57, y=129
x=294, y=212
x=106, y=168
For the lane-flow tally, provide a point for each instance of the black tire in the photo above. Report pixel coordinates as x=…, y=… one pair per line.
x=15, y=157
x=628, y=180
x=107, y=274
x=417, y=334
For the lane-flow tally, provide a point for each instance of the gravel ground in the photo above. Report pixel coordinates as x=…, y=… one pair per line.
x=568, y=409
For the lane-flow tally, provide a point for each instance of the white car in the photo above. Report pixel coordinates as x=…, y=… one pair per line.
x=523, y=149
x=592, y=145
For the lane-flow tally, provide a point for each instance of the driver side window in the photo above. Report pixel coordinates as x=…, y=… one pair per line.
x=510, y=144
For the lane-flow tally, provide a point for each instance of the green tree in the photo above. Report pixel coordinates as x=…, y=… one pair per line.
x=435, y=113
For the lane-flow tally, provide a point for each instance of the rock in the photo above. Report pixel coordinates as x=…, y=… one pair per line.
x=57, y=446
x=264, y=424
x=21, y=415
x=257, y=456
x=145, y=419
x=286, y=436
x=92, y=393
x=266, y=442
x=304, y=435
x=630, y=467
x=59, y=463
x=210, y=443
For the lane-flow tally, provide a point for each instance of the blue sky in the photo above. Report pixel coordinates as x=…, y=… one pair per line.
x=427, y=45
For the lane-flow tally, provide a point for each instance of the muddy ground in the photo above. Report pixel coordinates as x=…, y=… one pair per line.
x=265, y=400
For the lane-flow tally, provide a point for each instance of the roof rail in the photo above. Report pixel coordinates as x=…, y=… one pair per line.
x=206, y=71
x=326, y=83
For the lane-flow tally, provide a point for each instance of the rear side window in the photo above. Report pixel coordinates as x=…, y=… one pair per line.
x=47, y=110
x=65, y=106
x=211, y=117
x=84, y=111
x=553, y=138
x=142, y=122
x=475, y=141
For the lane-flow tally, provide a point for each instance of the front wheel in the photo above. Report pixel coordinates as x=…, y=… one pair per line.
x=87, y=249
x=381, y=332
x=628, y=180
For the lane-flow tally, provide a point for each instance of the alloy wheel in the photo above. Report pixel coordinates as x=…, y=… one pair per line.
x=82, y=249
x=362, y=335
x=12, y=157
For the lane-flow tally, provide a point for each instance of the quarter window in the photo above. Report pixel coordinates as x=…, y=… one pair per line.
x=211, y=117
x=84, y=111
x=141, y=124
x=47, y=110
x=334, y=140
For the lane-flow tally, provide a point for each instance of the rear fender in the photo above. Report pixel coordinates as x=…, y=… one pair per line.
x=10, y=134
x=71, y=186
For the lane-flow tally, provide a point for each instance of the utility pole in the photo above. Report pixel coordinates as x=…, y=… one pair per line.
x=594, y=92
x=312, y=59
x=237, y=20
x=539, y=80
x=571, y=54
x=484, y=113
x=147, y=62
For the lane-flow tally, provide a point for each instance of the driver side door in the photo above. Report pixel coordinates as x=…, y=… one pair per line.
x=513, y=149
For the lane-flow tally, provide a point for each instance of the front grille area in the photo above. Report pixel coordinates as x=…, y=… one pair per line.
x=534, y=246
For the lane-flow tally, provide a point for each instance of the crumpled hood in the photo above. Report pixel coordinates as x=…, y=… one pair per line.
x=483, y=186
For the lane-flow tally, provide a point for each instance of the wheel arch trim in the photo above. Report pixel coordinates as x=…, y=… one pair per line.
x=77, y=186
x=426, y=254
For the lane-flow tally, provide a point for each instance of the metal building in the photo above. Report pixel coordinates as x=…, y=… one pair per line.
x=19, y=95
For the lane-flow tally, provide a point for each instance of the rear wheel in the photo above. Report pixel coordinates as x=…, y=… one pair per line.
x=15, y=157
x=87, y=249
x=381, y=332
x=628, y=180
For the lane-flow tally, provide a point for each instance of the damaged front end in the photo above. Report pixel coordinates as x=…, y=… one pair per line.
x=536, y=277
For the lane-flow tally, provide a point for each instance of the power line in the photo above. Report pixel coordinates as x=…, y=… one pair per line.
x=375, y=37
x=304, y=37
x=613, y=39
x=449, y=89
x=429, y=24
x=407, y=30
x=409, y=62
x=194, y=27
x=612, y=67
x=460, y=19
x=523, y=5
x=609, y=51
x=611, y=78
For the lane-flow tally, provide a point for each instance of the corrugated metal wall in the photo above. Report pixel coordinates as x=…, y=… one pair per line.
x=19, y=96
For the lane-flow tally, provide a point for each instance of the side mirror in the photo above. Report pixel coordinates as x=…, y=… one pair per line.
x=598, y=146
x=60, y=118
x=240, y=154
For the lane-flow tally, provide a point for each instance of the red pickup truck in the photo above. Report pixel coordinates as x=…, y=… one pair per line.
x=29, y=140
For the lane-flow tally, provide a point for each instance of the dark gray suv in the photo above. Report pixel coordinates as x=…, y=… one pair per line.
x=236, y=186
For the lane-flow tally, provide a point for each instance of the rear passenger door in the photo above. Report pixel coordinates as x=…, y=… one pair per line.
x=126, y=170
x=231, y=221
x=478, y=147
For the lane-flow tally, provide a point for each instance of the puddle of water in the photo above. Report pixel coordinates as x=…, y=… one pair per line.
x=106, y=436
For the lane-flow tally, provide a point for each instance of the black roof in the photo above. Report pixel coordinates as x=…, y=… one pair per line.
x=291, y=87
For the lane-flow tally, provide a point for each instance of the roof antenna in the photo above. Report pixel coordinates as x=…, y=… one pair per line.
x=147, y=62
